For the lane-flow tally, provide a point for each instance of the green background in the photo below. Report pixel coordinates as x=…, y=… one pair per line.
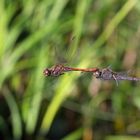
x=35, y=35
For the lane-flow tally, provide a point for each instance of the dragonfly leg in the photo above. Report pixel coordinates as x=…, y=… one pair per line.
x=115, y=79
x=61, y=74
x=109, y=67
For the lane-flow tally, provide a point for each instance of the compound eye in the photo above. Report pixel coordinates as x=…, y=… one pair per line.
x=97, y=74
x=46, y=72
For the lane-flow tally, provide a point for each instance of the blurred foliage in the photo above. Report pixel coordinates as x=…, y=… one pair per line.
x=86, y=33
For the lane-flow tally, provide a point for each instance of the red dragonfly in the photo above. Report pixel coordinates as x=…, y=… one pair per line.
x=60, y=69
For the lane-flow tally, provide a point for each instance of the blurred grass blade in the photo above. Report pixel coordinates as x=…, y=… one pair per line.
x=75, y=135
x=56, y=10
x=62, y=92
x=37, y=83
x=128, y=6
x=40, y=34
x=78, y=25
x=3, y=28
x=15, y=114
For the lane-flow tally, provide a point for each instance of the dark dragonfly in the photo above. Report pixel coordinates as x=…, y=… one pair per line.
x=108, y=74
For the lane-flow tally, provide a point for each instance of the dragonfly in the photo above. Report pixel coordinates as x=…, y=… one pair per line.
x=109, y=74
x=60, y=69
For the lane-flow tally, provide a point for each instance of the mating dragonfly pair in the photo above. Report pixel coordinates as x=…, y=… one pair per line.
x=104, y=74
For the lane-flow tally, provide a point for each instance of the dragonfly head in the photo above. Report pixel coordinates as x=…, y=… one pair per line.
x=47, y=72
x=97, y=73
